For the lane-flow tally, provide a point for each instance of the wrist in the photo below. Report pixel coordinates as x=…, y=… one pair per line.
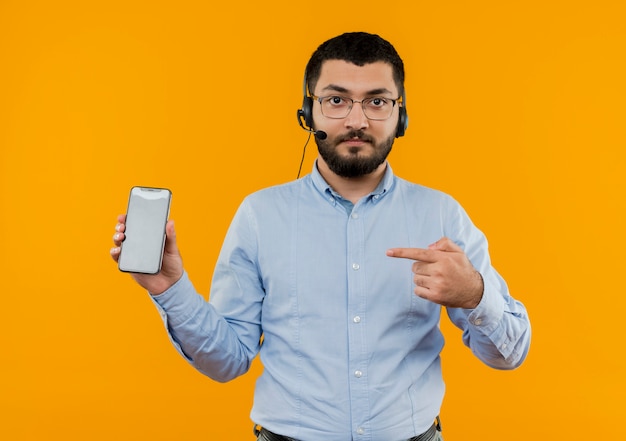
x=157, y=284
x=478, y=291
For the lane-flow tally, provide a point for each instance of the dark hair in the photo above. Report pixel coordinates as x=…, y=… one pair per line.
x=359, y=48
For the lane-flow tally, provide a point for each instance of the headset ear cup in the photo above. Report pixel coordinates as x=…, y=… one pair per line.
x=403, y=122
x=307, y=111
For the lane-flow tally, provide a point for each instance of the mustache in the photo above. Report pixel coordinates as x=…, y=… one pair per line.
x=355, y=134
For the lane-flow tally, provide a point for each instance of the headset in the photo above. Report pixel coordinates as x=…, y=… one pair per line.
x=305, y=114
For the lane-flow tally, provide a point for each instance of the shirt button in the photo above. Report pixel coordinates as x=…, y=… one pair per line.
x=360, y=431
x=355, y=215
x=356, y=319
x=355, y=266
x=358, y=374
x=478, y=322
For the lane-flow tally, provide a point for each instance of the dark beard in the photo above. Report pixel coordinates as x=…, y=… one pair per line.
x=356, y=164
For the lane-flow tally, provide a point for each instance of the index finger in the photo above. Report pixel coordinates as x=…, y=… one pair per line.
x=421, y=254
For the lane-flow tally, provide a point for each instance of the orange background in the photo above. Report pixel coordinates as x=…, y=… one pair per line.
x=516, y=108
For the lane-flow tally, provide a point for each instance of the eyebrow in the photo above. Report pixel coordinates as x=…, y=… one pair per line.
x=340, y=89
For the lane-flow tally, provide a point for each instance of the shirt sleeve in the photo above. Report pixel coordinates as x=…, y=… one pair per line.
x=498, y=329
x=219, y=341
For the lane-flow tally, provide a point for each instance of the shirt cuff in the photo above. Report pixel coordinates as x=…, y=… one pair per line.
x=487, y=315
x=177, y=302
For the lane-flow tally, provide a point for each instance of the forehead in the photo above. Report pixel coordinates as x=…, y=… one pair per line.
x=356, y=79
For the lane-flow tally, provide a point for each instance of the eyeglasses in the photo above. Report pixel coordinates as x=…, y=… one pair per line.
x=374, y=108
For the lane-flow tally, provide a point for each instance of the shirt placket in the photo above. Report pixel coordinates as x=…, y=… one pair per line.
x=356, y=322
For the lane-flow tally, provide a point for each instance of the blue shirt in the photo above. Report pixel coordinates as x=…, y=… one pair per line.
x=349, y=351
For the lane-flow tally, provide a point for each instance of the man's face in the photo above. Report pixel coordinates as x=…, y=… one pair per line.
x=355, y=145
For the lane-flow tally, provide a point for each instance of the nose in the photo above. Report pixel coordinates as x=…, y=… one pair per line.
x=356, y=119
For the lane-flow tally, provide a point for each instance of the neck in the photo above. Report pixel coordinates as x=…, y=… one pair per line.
x=352, y=189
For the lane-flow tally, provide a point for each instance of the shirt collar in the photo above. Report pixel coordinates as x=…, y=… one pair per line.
x=383, y=188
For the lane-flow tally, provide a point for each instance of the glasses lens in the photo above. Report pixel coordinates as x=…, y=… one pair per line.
x=336, y=106
x=377, y=108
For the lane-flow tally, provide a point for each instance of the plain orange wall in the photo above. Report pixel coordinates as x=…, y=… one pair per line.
x=516, y=109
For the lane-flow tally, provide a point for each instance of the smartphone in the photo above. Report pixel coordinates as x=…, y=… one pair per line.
x=146, y=216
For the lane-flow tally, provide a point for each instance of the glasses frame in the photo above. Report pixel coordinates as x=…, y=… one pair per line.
x=319, y=99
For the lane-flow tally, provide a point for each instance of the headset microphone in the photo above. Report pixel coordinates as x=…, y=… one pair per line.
x=319, y=134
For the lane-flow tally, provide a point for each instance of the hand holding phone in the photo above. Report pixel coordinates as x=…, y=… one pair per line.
x=144, y=242
x=171, y=266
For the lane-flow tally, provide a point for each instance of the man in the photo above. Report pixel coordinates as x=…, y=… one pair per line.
x=342, y=274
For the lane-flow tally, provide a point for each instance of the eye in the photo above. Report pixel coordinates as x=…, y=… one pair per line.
x=377, y=102
x=336, y=100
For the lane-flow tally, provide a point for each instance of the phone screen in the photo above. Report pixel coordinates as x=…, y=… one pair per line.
x=142, y=249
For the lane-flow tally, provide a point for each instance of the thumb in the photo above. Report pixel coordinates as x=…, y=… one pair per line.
x=445, y=244
x=170, y=233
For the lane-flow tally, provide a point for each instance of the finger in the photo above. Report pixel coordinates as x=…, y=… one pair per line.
x=120, y=227
x=420, y=254
x=115, y=253
x=445, y=244
x=422, y=292
x=421, y=268
x=118, y=238
x=426, y=289
x=421, y=281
